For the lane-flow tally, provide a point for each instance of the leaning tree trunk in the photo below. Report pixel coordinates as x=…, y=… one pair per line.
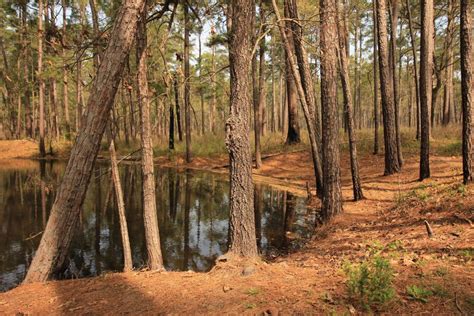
x=392, y=164
x=127, y=252
x=70, y=197
x=292, y=65
x=348, y=108
x=332, y=195
x=259, y=102
x=303, y=67
x=293, y=132
x=426, y=84
x=467, y=84
x=242, y=241
x=150, y=217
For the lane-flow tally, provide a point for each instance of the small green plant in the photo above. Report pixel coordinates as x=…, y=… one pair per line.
x=370, y=282
x=419, y=293
x=250, y=305
x=252, y=291
x=441, y=271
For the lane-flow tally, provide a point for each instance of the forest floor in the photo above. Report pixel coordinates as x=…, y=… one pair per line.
x=431, y=275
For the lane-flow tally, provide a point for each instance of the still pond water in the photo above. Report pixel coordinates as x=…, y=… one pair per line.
x=193, y=214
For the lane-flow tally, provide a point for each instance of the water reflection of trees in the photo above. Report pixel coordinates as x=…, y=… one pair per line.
x=192, y=212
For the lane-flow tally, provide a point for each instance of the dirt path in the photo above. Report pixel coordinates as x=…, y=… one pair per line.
x=309, y=281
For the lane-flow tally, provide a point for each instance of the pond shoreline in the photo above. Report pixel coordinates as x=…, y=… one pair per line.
x=309, y=280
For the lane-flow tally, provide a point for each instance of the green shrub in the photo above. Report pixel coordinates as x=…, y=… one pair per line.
x=419, y=293
x=370, y=282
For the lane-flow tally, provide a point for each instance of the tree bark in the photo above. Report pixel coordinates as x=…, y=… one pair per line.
x=376, y=81
x=303, y=67
x=332, y=195
x=348, y=108
x=187, y=84
x=127, y=252
x=426, y=84
x=178, y=107
x=260, y=102
x=150, y=217
x=70, y=196
x=42, y=148
x=392, y=164
x=467, y=84
x=293, y=132
x=415, y=68
x=242, y=241
x=393, y=66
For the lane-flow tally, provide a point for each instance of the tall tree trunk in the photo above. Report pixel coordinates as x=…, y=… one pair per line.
x=178, y=107
x=467, y=84
x=65, y=212
x=393, y=67
x=67, y=120
x=332, y=195
x=426, y=83
x=303, y=67
x=79, y=97
x=171, y=124
x=376, y=81
x=260, y=102
x=212, y=110
x=448, y=98
x=392, y=164
x=150, y=217
x=201, y=89
x=42, y=147
x=127, y=252
x=415, y=68
x=95, y=27
x=242, y=241
x=293, y=135
x=187, y=84
x=292, y=65
x=348, y=108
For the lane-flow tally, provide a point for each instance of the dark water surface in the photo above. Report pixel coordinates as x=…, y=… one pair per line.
x=193, y=210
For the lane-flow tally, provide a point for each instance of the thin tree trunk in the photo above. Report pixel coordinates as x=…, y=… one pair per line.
x=393, y=66
x=242, y=241
x=42, y=148
x=260, y=102
x=304, y=70
x=426, y=83
x=127, y=252
x=67, y=120
x=332, y=195
x=376, y=81
x=176, y=102
x=346, y=88
x=187, y=84
x=293, y=135
x=150, y=217
x=392, y=164
x=415, y=67
x=201, y=89
x=467, y=84
x=292, y=64
x=65, y=212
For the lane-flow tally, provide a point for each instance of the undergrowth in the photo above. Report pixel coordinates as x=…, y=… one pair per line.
x=370, y=282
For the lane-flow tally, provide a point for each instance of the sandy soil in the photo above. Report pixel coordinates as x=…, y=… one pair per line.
x=308, y=281
x=11, y=149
